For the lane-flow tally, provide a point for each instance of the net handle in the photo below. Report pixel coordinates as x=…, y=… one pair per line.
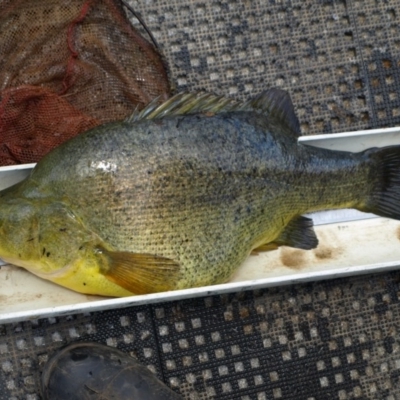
x=141, y=21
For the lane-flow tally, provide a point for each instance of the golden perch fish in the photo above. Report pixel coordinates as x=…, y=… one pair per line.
x=178, y=195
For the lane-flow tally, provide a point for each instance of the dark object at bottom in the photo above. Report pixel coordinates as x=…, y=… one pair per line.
x=93, y=371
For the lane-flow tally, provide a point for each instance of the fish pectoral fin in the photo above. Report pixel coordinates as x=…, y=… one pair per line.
x=298, y=233
x=141, y=273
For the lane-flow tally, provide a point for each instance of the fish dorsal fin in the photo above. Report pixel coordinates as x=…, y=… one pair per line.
x=186, y=103
x=273, y=103
x=277, y=104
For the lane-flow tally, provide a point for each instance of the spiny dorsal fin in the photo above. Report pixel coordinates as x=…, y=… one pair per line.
x=273, y=103
x=186, y=103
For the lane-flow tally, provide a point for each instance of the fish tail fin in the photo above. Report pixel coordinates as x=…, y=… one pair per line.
x=384, y=198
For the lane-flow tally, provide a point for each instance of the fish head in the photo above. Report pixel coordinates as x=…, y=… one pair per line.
x=18, y=228
x=39, y=235
x=48, y=239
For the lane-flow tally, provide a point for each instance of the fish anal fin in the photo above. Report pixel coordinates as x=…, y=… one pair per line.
x=140, y=273
x=277, y=105
x=298, y=233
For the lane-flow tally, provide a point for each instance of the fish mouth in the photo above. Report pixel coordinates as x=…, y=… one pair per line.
x=37, y=270
x=59, y=273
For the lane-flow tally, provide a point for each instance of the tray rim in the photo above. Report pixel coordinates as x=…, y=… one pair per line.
x=204, y=291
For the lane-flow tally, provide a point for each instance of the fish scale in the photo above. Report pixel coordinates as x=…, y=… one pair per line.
x=178, y=196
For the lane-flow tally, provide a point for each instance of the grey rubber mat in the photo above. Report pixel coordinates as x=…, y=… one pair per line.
x=339, y=59
x=336, y=339
x=339, y=339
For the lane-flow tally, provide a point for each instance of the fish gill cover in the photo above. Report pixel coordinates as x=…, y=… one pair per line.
x=66, y=67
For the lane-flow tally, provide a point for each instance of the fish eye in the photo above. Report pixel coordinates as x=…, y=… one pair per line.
x=99, y=250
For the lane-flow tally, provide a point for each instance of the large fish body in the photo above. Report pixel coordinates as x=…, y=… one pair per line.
x=180, y=201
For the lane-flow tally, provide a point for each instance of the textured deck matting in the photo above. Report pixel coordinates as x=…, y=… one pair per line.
x=331, y=340
x=338, y=59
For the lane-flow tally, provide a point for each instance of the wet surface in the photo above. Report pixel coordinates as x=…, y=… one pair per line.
x=295, y=259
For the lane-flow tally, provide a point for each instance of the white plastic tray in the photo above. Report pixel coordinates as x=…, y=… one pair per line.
x=350, y=243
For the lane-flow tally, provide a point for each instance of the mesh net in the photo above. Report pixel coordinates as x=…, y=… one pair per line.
x=67, y=67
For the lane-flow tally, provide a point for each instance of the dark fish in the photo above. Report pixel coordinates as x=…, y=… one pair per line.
x=180, y=194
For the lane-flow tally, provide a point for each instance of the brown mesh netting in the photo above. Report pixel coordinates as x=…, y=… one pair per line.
x=66, y=67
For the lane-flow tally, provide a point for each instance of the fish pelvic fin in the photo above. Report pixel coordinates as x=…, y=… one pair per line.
x=384, y=199
x=140, y=273
x=298, y=233
x=265, y=247
x=274, y=103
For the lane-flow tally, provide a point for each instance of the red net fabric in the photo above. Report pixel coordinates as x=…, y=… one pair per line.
x=66, y=67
